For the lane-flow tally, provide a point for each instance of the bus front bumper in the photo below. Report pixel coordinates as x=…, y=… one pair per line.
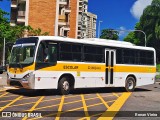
x=26, y=82
x=20, y=83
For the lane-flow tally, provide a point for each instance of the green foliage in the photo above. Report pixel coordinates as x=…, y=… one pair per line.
x=4, y=26
x=131, y=38
x=109, y=34
x=158, y=67
x=158, y=71
x=150, y=24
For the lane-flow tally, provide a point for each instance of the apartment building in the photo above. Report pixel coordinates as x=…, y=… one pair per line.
x=58, y=17
x=91, y=25
x=82, y=21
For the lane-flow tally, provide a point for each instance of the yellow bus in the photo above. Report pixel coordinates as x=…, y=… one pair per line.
x=50, y=62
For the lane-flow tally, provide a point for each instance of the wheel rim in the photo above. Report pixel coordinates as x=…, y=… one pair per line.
x=130, y=84
x=66, y=85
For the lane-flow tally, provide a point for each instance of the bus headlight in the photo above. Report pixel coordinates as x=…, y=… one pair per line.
x=25, y=78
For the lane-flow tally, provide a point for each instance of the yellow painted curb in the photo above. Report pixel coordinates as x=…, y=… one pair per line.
x=115, y=107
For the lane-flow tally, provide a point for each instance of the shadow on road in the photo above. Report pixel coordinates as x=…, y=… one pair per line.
x=32, y=93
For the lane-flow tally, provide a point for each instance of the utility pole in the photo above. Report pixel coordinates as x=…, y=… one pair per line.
x=99, y=28
x=4, y=45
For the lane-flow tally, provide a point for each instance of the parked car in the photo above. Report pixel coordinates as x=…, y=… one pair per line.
x=1, y=70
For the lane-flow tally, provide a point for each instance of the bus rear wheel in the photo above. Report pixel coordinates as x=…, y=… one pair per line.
x=130, y=84
x=64, y=86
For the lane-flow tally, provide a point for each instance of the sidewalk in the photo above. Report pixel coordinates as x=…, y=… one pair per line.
x=3, y=80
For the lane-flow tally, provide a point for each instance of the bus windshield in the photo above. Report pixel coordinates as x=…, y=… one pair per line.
x=22, y=54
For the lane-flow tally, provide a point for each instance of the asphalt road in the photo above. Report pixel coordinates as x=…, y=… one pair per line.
x=79, y=104
x=144, y=100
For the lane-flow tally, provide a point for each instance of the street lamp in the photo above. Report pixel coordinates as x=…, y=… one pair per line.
x=145, y=36
x=99, y=27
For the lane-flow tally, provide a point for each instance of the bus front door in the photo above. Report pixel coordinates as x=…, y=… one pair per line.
x=110, y=61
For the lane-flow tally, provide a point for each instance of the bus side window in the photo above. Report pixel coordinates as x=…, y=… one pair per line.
x=52, y=50
x=39, y=57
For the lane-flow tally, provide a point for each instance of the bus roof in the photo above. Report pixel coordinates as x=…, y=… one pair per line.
x=95, y=41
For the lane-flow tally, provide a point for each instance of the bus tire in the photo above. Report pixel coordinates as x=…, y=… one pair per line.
x=130, y=84
x=64, y=85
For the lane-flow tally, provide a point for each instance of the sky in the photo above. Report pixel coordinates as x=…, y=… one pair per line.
x=118, y=14
x=115, y=14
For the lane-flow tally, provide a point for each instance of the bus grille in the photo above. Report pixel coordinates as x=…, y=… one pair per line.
x=15, y=83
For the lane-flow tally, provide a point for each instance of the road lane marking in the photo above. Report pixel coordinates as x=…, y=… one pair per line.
x=19, y=100
x=63, y=112
x=50, y=100
x=104, y=102
x=11, y=103
x=85, y=107
x=60, y=108
x=10, y=96
x=95, y=104
x=71, y=110
x=5, y=101
x=3, y=94
x=57, y=105
x=116, y=95
x=45, y=100
x=2, y=90
x=115, y=107
x=91, y=116
x=35, y=105
x=33, y=102
x=68, y=96
x=68, y=103
x=9, y=87
x=47, y=107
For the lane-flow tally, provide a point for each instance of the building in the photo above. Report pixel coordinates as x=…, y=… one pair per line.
x=58, y=17
x=82, y=19
x=91, y=25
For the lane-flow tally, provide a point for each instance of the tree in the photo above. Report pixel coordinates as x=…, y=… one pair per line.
x=4, y=29
x=150, y=24
x=19, y=31
x=134, y=36
x=131, y=38
x=109, y=34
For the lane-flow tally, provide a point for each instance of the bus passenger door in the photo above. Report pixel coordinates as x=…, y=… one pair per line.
x=110, y=61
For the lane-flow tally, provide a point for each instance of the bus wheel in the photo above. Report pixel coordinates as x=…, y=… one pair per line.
x=64, y=86
x=130, y=84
